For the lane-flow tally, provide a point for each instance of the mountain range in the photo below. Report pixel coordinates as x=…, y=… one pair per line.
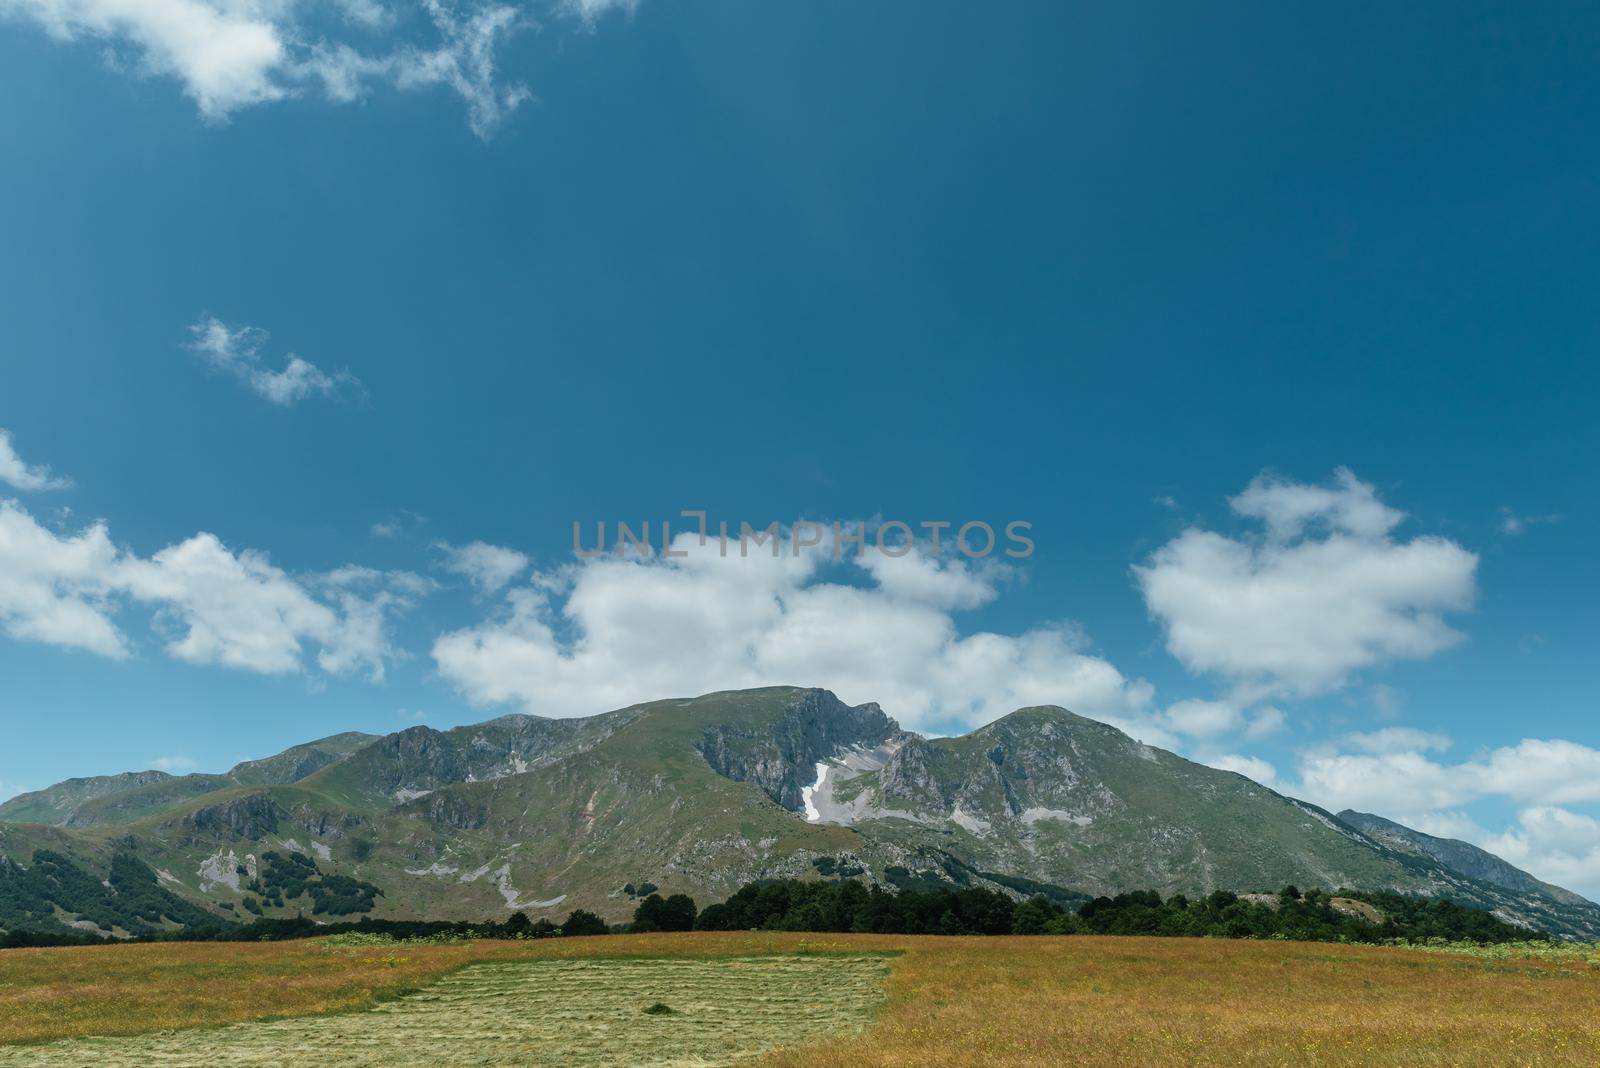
x=700, y=796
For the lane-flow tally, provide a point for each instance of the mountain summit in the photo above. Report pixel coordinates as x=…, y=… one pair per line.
x=701, y=795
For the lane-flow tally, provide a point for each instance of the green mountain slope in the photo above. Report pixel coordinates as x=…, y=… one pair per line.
x=1550, y=906
x=701, y=795
x=131, y=796
x=416, y=761
x=55, y=805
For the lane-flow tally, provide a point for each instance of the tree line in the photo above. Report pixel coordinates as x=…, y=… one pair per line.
x=841, y=905
x=1312, y=916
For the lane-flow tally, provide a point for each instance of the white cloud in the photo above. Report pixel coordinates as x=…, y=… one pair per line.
x=227, y=55
x=1265, y=722
x=394, y=526
x=173, y=763
x=465, y=62
x=488, y=567
x=1386, y=700
x=1248, y=766
x=1392, y=774
x=1204, y=719
x=237, y=352
x=590, y=11
x=1551, y=772
x=609, y=632
x=1556, y=844
x=233, y=54
x=1396, y=740
x=1209, y=721
x=924, y=579
x=8, y=790
x=1400, y=785
x=217, y=606
x=1325, y=593
x=231, y=609
x=1513, y=524
x=55, y=588
x=21, y=476
x=1289, y=508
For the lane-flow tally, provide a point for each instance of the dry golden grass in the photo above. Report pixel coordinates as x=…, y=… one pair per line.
x=1134, y=1001
x=952, y=1001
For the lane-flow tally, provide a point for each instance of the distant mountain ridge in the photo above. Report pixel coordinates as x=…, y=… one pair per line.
x=110, y=799
x=701, y=795
x=1458, y=855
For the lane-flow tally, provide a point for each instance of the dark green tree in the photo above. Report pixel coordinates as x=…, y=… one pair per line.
x=582, y=922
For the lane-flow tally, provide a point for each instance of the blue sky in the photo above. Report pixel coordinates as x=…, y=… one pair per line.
x=1101, y=271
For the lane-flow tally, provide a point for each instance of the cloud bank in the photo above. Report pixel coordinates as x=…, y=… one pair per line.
x=1397, y=773
x=610, y=632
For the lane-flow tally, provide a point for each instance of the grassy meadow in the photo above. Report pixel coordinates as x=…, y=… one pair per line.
x=904, y=1001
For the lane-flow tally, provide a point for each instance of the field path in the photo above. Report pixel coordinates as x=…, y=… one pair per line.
x=577, y=1013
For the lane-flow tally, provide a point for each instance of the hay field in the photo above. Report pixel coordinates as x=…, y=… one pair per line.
x=612, y=1013
x=950, y=1001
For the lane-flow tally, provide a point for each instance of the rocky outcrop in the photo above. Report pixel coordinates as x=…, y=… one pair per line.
x=301, y=761
x=781, y=755
x=252, y=817
x=910, y=779
x=451, y=809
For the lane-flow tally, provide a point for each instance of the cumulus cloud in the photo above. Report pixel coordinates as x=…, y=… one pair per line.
x=1265, y=722
x=1208, y=722
x=1288, y=508
x=1554, y=843
x=214, y=605
x=19, y=475
x=1397, y=772
x=1204, y=719
x=237, y=353
x=1324, y=591
x=238, y=610
x=1396, y=740
x=173, y=763
x=228, y=55
x=1248, y=766
x=56, y=588
x=488, y=567
x=609, y=632
x=1401, y=785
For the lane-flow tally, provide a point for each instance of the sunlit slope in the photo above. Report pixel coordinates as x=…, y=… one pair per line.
x=700, y=795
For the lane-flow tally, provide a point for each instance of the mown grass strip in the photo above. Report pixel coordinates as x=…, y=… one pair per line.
x=580, y=1013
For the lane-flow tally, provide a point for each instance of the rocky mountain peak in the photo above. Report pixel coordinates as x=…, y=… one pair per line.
x=780, y=754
